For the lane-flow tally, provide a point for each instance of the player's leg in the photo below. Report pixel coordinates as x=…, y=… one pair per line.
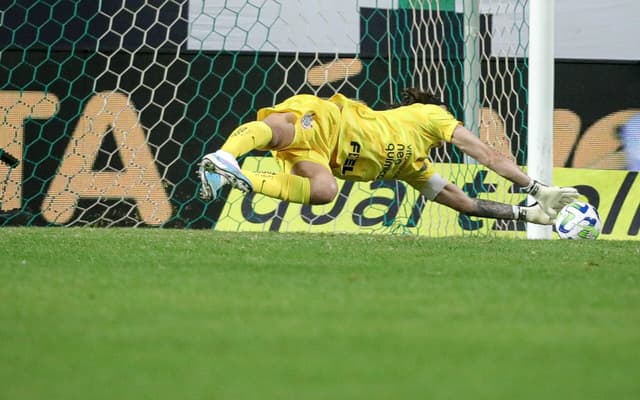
x=217, y=169
x=308, y=183
x=274, y=132
x=450, y=195
x=323, y=187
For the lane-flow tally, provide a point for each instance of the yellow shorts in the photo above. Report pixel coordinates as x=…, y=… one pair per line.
x=316, y=130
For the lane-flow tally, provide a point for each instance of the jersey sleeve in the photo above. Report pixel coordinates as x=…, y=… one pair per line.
x=440, y=123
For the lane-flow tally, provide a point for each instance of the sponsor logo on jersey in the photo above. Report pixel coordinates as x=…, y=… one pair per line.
x=352, y=157
x=396, y=154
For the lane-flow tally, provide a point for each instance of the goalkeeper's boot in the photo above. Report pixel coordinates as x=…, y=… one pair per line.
x=228, y=168
x=210, y=184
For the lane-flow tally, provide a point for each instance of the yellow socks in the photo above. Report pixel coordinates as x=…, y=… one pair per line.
x=296, y=189
x=246, y=137
x=258, y=135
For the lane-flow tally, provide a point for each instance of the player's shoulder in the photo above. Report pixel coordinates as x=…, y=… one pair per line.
x=433, y=112
x=342, y=101
x=424, y=110
x=432, y=108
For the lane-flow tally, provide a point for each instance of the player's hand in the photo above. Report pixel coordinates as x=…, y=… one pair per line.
x=552, y=198
x=535, y=215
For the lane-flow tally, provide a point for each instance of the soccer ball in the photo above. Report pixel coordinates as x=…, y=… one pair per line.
x=578, y=220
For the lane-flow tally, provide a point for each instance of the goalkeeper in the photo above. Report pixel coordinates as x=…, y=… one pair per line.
x=316, y=140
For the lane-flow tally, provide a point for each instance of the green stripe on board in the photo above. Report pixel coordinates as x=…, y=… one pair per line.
x=444, y=5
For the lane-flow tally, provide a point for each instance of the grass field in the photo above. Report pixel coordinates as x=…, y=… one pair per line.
x=175, y=314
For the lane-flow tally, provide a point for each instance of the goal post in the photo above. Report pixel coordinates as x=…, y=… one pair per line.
x=541, y=76
x=472, y=65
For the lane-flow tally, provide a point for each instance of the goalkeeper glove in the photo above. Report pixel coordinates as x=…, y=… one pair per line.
x=534, y=214
x=551, y=198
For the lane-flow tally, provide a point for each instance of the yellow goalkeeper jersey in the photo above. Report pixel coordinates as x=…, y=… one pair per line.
x=390, y=144
x=360, y=144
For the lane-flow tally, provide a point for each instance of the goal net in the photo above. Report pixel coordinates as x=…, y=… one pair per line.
x=110, y=105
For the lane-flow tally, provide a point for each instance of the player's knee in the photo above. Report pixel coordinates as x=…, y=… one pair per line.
x=323, y=191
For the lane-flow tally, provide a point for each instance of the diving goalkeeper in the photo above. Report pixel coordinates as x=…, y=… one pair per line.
x=316, y=140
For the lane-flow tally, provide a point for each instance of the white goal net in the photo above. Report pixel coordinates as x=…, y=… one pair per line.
x=110, y=105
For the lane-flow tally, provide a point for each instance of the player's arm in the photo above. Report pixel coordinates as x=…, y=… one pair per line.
x=471, y=145
x=552, y=199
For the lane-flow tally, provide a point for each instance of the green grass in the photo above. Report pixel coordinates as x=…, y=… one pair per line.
x=175, y=314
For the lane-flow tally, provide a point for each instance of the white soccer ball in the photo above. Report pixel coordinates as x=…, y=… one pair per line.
x=578, y=220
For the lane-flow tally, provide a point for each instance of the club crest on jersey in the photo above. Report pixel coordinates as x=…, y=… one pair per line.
x=307, y=121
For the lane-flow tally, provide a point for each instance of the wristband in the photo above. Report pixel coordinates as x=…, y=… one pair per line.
x=533, y=187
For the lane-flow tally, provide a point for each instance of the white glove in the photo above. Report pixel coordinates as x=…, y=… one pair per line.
x=551, y=198
x=535, y=215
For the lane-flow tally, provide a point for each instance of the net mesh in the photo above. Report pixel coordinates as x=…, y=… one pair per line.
x=110, y=105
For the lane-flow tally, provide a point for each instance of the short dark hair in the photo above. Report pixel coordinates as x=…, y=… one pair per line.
x=415, y=95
